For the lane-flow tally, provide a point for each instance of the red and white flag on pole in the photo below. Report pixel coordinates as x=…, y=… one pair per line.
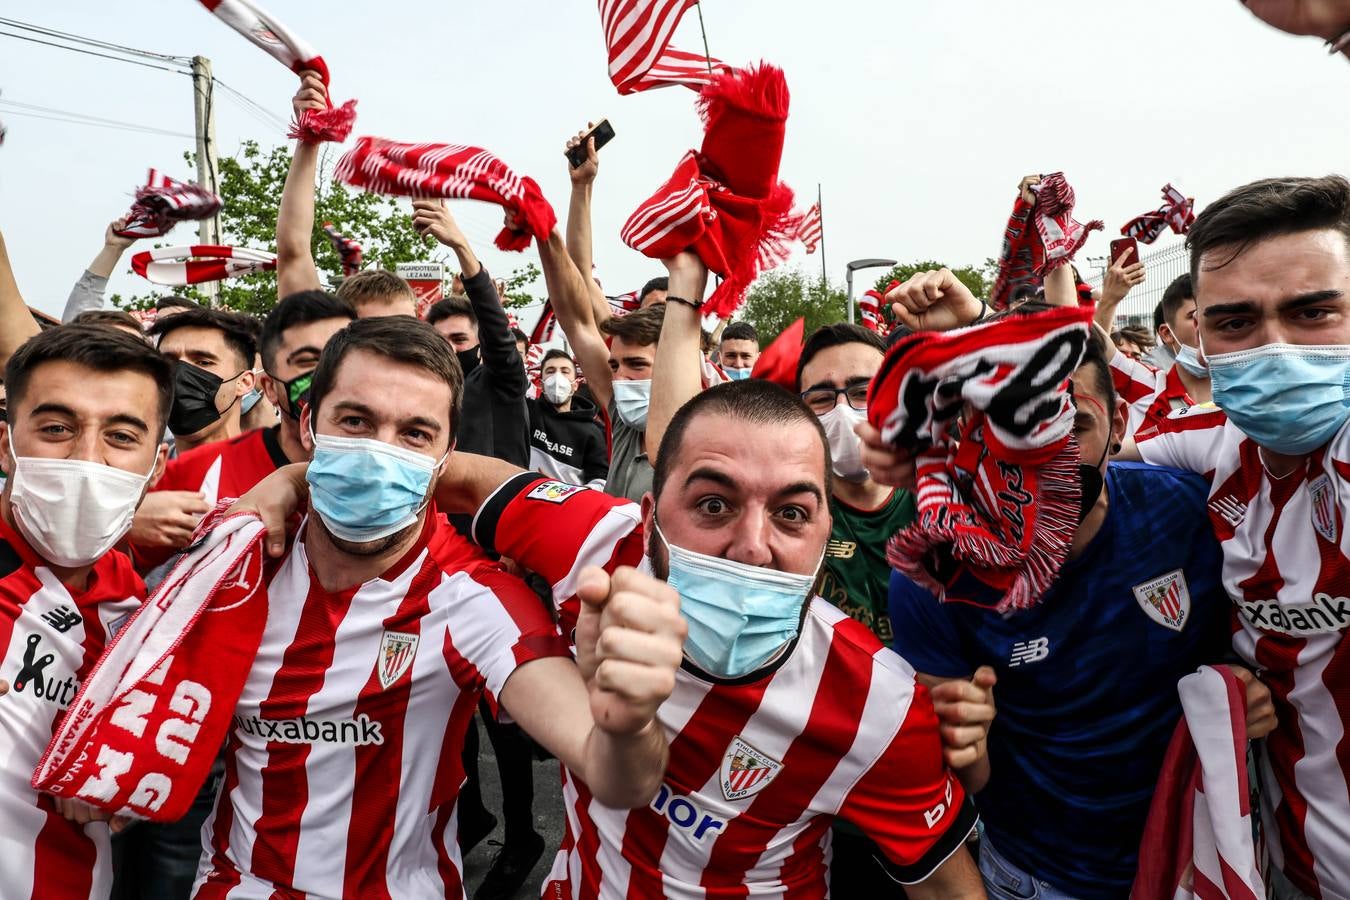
x=638, y=33
x=811, y=229
x=200, y=263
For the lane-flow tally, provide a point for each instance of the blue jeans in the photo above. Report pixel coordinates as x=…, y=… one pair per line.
x=1005, y=881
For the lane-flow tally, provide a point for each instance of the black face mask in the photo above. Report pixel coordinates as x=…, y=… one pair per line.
x=1092, y=481
x=194, y=399
x=468, y=359
x=296, y=392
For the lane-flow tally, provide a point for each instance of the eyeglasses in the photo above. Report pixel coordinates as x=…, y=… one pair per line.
x=823, y=399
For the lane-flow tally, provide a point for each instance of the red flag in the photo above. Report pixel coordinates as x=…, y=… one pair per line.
x=637, y=36
x=811, y=229
x=778, y=361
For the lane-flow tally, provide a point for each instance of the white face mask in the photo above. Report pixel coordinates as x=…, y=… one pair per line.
x=70, y=510
x=557, y=388
x=631, y=398
x=845, y=445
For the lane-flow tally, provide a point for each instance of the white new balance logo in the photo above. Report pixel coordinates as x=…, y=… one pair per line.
x=1229, y=509
x=1029, y=652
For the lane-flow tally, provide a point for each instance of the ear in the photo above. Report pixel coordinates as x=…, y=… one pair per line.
x=270, y=389
x=161, y=460
x=244, y=383
x=6, y=458
x=648, y=523
x=1165, y=336
x=1119, y=421
x=306, y=434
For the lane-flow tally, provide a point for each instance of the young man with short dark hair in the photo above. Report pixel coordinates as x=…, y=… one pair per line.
x=214, y=351
x=738, y=350
x=566, y=443
x=378, y=292
x=454, y=319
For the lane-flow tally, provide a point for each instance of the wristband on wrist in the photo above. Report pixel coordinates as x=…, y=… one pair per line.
x=984, y=311
x=671, y=298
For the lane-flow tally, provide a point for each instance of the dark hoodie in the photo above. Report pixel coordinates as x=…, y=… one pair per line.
x=568, y=446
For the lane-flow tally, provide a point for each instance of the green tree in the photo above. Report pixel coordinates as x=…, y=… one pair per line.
x=978, y=278
x=250, y=186
x=779, y=298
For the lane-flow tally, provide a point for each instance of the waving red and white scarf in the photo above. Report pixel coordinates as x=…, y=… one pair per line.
x=637, y=36
x=267, y=32
x=163, y=202
x=1177, y=212
x=987, y=412
x=200, y=263
x=142, y=733
x=1059, y=234
x=454, y=171
x=870, y=306
x=349, y=251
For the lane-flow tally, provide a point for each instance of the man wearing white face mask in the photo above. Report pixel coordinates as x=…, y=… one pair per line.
x=87, y=405
x=566, y=443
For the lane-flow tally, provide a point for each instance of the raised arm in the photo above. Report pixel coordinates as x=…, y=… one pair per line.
x=676, y=374
x=87, y=293
x=579, y=222
x=16, y=322
x=1119, y=280
x=571, y=304
x=295, y=219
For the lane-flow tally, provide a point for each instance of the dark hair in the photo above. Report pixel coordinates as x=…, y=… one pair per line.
x=656, y=284
x=113, y=318
x=172, y=302
x=299, y=308
x=1137, y=336
x=827, y=336
x=520, y=336
x=374, y=284
x=451, y=306
x=642, y=327
x=98, y=347
x=556, y=353
x=751, y=402
x=400, y=338
x=238, y=330
x=1094, y=356
x=740, y=331
x=1267, y=209
x=1178, y=292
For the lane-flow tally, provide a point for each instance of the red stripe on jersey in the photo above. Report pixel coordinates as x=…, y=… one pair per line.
x=588, y=847
x=802, y=872
x=63, y=859
x=450, y=771
x=223, y=876
x=285, y=789
x=811, y=758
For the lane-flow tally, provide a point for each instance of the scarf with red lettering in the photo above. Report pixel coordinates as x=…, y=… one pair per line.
x=1177, y=212
x=200, y=263
x=268, y=33
x=725, y=202
x=454, y=171
x=164, y=202
x=348, y=251
x=986, y=411
x=141, y=735
x=1198, y=840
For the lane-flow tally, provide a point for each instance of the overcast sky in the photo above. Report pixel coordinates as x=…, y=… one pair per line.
x=918, y=119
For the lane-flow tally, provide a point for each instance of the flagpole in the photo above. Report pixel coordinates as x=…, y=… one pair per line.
x=819, y=206
x=707, y=54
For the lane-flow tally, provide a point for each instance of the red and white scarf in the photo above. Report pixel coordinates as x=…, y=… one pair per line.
x=1177, y=212
x=1197, y=844
x=455, y=171
x=1059, y=234
x=870, y=306
x=164, y=202
x=267, y=32
x=349, y=251
x=142, y=733
x=1015, y=262
x=199, y=263
x=987, y=412
x=637, y=37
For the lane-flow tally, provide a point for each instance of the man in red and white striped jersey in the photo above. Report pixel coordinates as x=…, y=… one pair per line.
x=87, y=405
x=385, y=627
x=1271, y=267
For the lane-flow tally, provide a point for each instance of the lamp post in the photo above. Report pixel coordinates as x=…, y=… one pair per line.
x=862, y=264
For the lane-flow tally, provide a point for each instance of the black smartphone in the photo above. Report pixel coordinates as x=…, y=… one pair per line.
x=603, y=134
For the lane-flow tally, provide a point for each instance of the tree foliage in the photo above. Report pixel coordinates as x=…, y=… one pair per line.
x=779, y=298
x=978, y=278
x=250, y=186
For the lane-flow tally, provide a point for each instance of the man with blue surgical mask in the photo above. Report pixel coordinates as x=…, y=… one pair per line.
x=738, y=350
x=1270, y=263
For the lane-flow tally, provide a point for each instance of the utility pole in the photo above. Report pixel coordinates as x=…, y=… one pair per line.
x=204, y=118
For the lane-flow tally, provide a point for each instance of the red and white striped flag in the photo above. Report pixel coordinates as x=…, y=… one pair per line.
x=544, y=327
x=200, y=263
x=623, y=304
x=637, y=35
x=164, y=202
x=454, y=171
x=349, y=251
x=812, y=229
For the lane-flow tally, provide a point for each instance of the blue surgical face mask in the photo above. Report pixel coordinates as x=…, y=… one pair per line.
x=739, y=616
x=1288, y=398
x=1189, y=359
x=631, y=398
x=364, y=490
x=736, y=374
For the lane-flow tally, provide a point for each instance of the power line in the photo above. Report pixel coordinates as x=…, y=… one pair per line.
x=92, y=42
x=249, y=104
x=77, y=119
x=123, y=59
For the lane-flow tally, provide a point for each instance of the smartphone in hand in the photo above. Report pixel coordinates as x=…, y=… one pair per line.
x=1125, y=245
x=603, y=134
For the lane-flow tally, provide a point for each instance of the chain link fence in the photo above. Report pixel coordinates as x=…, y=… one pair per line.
x=1162, y=266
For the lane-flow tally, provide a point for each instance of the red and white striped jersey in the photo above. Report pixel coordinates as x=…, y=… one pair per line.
x=49, y=640
x=761, y=766
x=1287, y=567
x=1152, y=394
x=342, y=769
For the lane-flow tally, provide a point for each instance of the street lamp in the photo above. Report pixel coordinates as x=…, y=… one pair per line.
x=862, y=264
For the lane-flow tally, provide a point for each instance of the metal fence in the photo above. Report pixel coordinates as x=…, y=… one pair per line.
x=1161, y=266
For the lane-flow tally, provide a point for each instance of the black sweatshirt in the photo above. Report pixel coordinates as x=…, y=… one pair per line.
x=494, y=421
x=568, y=446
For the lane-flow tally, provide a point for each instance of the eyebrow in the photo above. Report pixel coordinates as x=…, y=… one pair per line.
x=116, y=419
x=303, y=351
x=129, y=420
x=635, y=360
x=1292, y=303
x=362, y=409
x=57, y=408
x=725, y=480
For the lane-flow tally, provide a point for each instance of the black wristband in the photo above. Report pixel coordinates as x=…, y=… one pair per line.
x=984, y=311
x=671, y=298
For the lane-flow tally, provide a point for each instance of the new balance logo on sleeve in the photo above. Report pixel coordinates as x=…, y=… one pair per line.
x=1033, y=651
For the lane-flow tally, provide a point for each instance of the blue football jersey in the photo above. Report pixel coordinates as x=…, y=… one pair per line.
x=1087, y=680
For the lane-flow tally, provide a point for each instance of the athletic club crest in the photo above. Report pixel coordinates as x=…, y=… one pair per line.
x=1323, y=507
x=746, y=771
x=397, y=650
x=1166, y=599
